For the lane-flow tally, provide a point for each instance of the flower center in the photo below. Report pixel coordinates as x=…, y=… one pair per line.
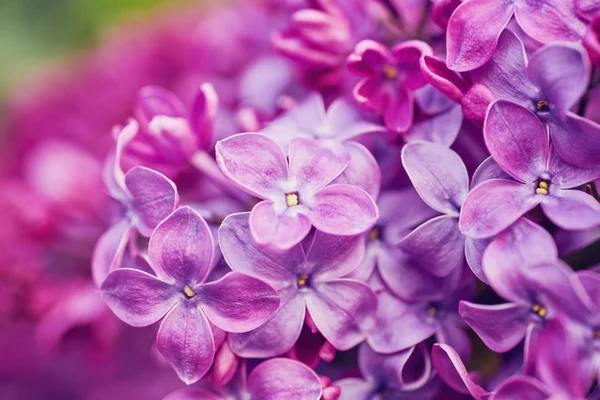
x=302, y=280
x=189, y=293
x=432, y=310
x=375, y=233
x=542, y=105
x=597, y=333
x=390, y=72
x=539, y=310
x=292, y=199
x=542, y=188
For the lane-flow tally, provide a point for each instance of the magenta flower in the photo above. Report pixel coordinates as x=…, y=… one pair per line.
x=553, y=80
x=389, y=78
x=518, y=142
x=268, y=381
x=146, y=196
x=342, y=309
x=180, y=252
x=474, y=27
x=296, y=195
x=384, y=374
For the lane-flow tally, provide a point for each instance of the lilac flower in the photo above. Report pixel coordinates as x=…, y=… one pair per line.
x=297, y=196
x=147, y=197
x=180, y=252
x=535, y=293
x=384, y=375
x=475, y=25
x=451, y=369
x=268, y=381
x=437, y=314
x=389, y=78
x=558, y=372
x=342, y=309
x=518, y=142
x=340, y=123
x=549, y=84
x=440, y=177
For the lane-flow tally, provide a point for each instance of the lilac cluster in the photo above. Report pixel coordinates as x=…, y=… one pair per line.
x=332, y=199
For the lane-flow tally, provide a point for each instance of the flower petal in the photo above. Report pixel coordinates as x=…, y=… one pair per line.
x=203, y=115
x=277, y=231
x=137, y=298
x=442, y=128
x=407, y=55
x=242, y=254
x=547, y=21
x=154, y=197
x=567, y=175
x=278, y=334
x=395, y=315
x=473, y=31
x=362, y=171
x=279, y=377
x=572, y=210
x=254, y=162
x=452, y=370
x=505, y=75
x=493, y=206
x=438, y=174
x=522, y=388
x=343, y=210
x=501, y=327
x=154, y=100
x=562, y=72
x=517, y=140
x=181, y=247
x=474, y=250
x=577, y=140
x=109, y=250
x=314, y=163
x=331, y=256
x=437, y=246
x=237, y=302
x=488, y=169
x=343, y=310
x=398, y=110
x=186, y=341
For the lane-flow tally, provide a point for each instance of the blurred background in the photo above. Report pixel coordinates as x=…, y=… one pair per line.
x=36, y=34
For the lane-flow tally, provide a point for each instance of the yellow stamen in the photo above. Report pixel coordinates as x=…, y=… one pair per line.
x=539, y=310
x=542, y=105
x=544, y=185
x=432, y=310
x=390, y=72
x=188, y=292
x=542, y=188
x=541, y=191
x=374, y=233
x=292, y=199
x=597, y=334
x=302, y=279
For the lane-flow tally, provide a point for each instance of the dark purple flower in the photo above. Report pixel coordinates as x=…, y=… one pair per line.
x=342, y=309
x=385, y=374
x=296, y=195
x=549, y=84
x=268, y=381
x=180, y=252
x=518, y=142
x=147, y=197
x=389, y=78
x=340, y=123
x=474, y=27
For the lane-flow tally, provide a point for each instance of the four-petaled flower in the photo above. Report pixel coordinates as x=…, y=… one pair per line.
x=180, y=251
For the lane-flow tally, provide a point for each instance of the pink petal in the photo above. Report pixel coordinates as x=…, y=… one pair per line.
x=398, y=110
x=282, y=376
x=572, y=209
x=313, y=163
x=109, y=250
x=181, y=247
x=277, y=231
x=237, y=302
x=362, y=171
x=331, y=256
x=548, y=21
x=203, y=115
x=254, y=162
x=185, y=339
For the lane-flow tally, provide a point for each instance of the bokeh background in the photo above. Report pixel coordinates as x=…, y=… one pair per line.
x=36, y=35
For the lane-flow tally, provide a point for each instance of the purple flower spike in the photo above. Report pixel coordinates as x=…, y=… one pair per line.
x=549, y=84
x=180, y=252
x=342, y=309
x=297, y=196
x=147, y=198
x=440, y=177
x=474, y=27
x=383, y=375
x=389, y=78
x=518, y=142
